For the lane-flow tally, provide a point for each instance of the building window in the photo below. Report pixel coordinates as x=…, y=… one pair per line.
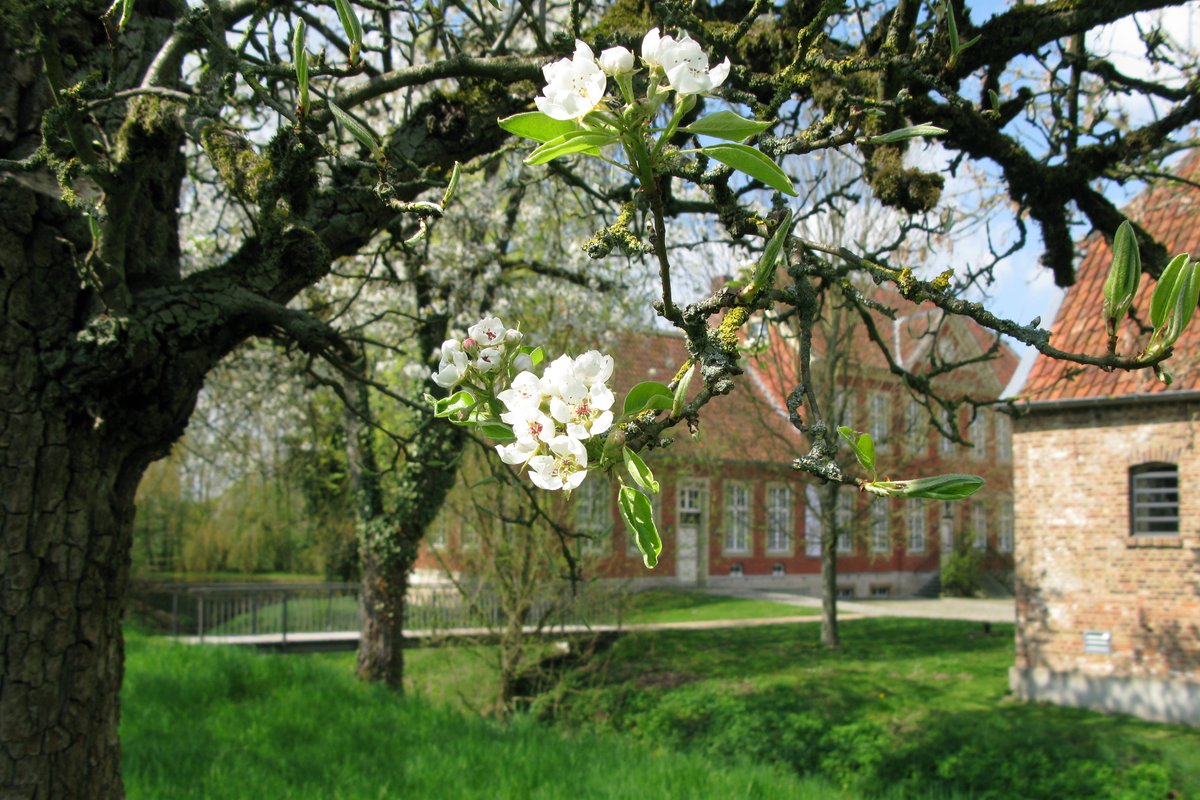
x=916, y=424
x=438, y=533
x=879, y=410
x=881, y=541
x=778, y=571
x=812, y=521
x=779, y=518
x=736, y=571
x=979, y=434
x=737, y=518
x=845, y=592
x=845, y=522
x=950, y=423
x=1003, y=438
x=1154, y=499
x=468, y=539
x=979, y=526
x=593, y=515
x=691, y=505
x=881, y=591
x=1004, y=527
x=916, y=526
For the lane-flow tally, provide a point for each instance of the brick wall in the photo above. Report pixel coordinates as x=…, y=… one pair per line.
x=1077, y=567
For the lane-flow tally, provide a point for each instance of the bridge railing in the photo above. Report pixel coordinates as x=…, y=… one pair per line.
x=244, y=609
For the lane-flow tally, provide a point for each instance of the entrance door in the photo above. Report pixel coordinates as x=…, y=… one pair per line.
x=689, y=533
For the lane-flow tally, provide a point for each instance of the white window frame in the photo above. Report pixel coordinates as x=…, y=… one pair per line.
x=917, y=428
x=813, y=530
x=881, y=534
x=593, y=515
x=780, y=525
x=845, y=520
x=946, y=447
x=978, y=434
x=1154, y=496
x=1003, y=430
x=1005, y=536
x=879, y=412
x=737, y=538
x=979, y=526
x=439, y=533
x=918, y=527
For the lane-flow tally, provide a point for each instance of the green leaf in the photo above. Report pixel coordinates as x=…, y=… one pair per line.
x=951, y=26
x=647, y=395
x=300, y=61
x=1187, y=293
x=536, y=354
x=726, y=125
x=1123, y=277
x=939, y=487
x=452, y=186
x=995, y=98
x=863, y=446
x=639, y=516
x=911, y=132
x=126, y=14
x=497, y=431
x=681, y=390
x=766, y=264
x=571, y=142
x=751, y=162
x=358, y=131
x=537, y=126
x=455, y=404
x=1161, y=301
x=351, y=26
x=638, y=470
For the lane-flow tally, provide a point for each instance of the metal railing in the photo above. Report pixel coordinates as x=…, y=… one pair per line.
x=246, y=609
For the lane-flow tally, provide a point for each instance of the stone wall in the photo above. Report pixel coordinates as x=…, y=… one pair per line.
x=1079, y=571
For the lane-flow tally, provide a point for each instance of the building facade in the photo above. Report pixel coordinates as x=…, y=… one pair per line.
x=1108, y=522
x=732, y=511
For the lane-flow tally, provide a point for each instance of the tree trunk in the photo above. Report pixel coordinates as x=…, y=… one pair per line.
x=829, y=622
x=65, y=533
x=382, y=604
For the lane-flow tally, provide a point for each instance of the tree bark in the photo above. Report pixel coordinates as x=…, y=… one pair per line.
x=382, y=602
x=829, y=622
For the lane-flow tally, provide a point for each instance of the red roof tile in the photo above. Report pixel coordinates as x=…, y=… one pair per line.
x=1170, y=212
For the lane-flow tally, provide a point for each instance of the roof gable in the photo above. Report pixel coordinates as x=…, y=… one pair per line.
x=1170, y=212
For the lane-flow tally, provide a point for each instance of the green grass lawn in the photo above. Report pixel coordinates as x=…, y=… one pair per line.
x=906, y=709
x=213, y=723
x=680, y=606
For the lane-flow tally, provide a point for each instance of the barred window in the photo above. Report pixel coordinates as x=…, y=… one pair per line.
x=916, y=422
x=1154, y=499
x=979, y=525
x=950, y=423
x=737, y=517
x=779, y=518
x=979, y=434
x=1003, y=438
x=879, y=412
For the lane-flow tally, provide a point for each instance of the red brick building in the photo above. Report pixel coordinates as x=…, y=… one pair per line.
x=1108, y=527
x=733, y=510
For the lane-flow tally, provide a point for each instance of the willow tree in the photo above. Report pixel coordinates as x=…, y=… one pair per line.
x=325, y=144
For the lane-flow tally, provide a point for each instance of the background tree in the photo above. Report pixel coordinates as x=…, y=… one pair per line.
x=109, y=328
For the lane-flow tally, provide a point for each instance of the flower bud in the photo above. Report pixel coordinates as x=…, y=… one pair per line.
x=523, y=363
x=616, y=61
x=513, y=336
x=469, y=343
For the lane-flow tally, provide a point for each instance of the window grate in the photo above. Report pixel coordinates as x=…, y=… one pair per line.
x=1154, y=500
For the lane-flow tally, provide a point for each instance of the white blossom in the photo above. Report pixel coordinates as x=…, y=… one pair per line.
x=531, y=425
x=584, y=410
x=593, y=367
x=518, y=452
x=564, y=468
x=488, y=332
x=488, y=359
x=524, y=392
x=452, y=365
x=683, y=62
x=616, y=61
x=574, y=86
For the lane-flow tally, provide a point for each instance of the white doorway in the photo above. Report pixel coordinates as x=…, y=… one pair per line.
x=689, y=533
